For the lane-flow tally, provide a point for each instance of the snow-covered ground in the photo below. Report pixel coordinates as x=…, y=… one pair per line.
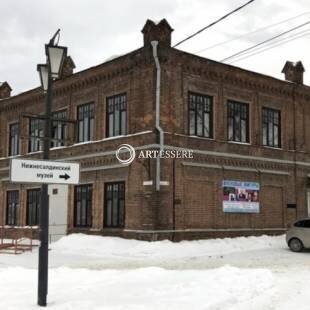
x=92, y=272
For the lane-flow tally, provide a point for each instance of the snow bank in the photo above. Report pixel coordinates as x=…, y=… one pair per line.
x=97, y=252
x=196, y=275
x=113, y=246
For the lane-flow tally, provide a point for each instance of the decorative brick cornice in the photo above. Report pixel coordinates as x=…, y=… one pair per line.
x=241, y=163
x=220, y=72
x=83, y=79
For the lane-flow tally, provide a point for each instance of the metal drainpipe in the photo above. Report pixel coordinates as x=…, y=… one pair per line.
x=157, y=125
x=295, y=146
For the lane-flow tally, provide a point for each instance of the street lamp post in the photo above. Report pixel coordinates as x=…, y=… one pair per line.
x=55, y=56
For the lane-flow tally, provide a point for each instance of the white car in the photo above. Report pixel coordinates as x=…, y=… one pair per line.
x=298, y=236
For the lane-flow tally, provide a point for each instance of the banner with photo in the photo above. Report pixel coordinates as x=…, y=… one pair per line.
x=240, y=197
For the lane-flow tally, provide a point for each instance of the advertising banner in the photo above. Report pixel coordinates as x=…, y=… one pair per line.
x=240, y=197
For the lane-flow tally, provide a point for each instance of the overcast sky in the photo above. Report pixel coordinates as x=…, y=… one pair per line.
x=94, y=30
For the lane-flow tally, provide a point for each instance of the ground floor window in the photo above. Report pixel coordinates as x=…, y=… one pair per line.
x=33, y=206
x=83, y=205
x=114, y=207
x=12, y=207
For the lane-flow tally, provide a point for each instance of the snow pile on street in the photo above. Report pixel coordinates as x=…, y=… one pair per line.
x=117, y=253
x=93, y=272
x=97, y=252
x=113, y=246
x=140, y=289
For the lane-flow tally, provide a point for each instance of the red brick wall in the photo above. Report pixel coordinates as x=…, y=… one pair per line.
x=193, y=198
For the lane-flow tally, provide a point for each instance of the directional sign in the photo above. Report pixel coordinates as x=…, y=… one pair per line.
x=39, y=171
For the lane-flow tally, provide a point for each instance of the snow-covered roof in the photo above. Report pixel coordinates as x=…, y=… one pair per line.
x=113, y=57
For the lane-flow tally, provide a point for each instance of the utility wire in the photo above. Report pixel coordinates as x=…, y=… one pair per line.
x=265, y=41
x=276, y=43
x=248, y=33
x=270, y=47
x=214, y=23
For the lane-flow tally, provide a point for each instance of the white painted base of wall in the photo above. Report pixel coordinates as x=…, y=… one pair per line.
x=58, y=211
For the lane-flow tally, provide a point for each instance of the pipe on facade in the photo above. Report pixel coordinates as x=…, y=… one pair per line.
x=295, y=151
x=157, y=113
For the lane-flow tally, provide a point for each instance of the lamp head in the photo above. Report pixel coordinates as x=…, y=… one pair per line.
x=56, y=56
x=43, y=73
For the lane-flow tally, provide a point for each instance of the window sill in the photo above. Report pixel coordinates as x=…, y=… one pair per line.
x=105, y=228
x=240, y=143
x=89, y=228
x=82, y=143
x=272, y=147
x=14, y=156
x=82, y=227
x=20, y=227
x=201, y=137
x=57, y=147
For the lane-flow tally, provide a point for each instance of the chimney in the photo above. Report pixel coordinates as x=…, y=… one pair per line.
x=68, y=67
x=294, y=72
x=153, y=31
x=5, y=90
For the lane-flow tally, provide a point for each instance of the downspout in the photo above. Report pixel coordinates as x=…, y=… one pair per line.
x=157, y=124
x=295, y=150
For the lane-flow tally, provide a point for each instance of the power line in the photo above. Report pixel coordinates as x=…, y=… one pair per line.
x=214, y=23
x=271, y=44
x=265, y=41
x=248, y=33
x=277, y=42
x=270, y=47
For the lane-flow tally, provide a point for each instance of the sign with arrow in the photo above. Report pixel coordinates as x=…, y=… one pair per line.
x=40, y=171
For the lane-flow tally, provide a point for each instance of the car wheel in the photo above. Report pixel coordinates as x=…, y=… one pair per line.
x=296, y=245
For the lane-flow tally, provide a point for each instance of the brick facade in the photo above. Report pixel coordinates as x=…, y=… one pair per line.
x=190, y=206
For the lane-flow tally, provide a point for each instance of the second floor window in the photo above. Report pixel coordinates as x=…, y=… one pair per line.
x=33, y=206
x=238, y=121
x=58, y=129
x=200, y=115
x=116, y=115
x=12, y=207
x=83, y=205
x=271, y=127
x=86, y=122
x=36, y=127
x=14, y=139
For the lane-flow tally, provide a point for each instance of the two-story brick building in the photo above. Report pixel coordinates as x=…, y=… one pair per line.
x=249, y=134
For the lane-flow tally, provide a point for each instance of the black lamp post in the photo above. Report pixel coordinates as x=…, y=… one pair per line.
x=55, y=56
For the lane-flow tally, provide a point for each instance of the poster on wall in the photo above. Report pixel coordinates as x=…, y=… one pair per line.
x=240, y=197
